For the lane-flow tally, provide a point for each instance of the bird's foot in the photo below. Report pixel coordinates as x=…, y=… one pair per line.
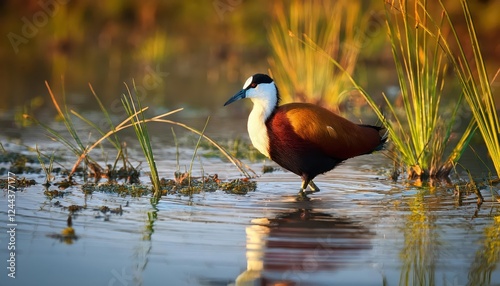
x=302, y=196
x=312, y=188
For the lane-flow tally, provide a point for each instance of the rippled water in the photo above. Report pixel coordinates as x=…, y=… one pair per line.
x=361, y=229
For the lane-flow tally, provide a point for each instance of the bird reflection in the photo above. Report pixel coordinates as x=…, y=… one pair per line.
x=295, y=245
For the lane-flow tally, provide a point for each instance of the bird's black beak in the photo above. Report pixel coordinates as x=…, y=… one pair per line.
x=236, y=97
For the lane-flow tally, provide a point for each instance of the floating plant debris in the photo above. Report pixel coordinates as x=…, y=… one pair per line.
x=184, y=184
x=16, y=182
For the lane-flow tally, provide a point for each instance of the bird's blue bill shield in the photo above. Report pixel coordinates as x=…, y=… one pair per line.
x=236, y=97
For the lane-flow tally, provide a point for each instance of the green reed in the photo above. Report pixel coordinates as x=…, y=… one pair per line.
x=421, y=133
x=302, y=74
x=421, y=129
x=132, y=106
x=47, y=169
x=136, y=119
x=474, y=80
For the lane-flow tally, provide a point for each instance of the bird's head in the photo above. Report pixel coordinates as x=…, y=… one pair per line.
x=260, y=88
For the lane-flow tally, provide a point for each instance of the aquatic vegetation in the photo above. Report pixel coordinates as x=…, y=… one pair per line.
x=20, y=163
x=474, y=80
x=421, y=130
x=238, y=186
x=127, y=172
x=141, y=131
x=115, y=141
x=421, y=243
x=184, y=184
x=75, y=208
x=487, y=257
x=77, y=147
x=302, y=74
x=65, y=183
x=51, y=194
x=422, y=133
x=121, y=189
x=16, y=182
x=46, y=169
x=268, y=169
x=68, y=234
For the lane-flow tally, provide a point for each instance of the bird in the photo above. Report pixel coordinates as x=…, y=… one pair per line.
x=303, y=138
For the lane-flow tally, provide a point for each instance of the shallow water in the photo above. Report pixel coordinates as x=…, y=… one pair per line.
x=360, y=229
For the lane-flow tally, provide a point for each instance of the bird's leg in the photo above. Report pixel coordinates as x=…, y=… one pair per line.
x=313, y=187
x=302, y=195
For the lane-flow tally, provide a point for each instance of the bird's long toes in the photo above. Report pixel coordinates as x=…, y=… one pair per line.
x=302, y=196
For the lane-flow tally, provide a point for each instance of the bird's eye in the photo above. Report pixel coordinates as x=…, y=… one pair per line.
x=253, y=84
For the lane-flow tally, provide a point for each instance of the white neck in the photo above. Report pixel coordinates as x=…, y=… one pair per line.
x=264, y=101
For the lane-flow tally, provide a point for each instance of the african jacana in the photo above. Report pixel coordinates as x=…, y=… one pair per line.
x=303, y=138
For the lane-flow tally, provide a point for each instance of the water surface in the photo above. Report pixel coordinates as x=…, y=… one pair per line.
x=361, y=229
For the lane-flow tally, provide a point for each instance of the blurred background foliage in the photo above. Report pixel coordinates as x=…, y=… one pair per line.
x=182, y=53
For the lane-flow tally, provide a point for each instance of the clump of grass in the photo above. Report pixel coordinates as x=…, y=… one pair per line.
x=54, y=194
x=421, y=134
x=123, y=190
x=113, y=138
x=243, y=168
x=76, y=146
x=136, y=119
x=16, y=183
x=141, y=130
x=421, y=131
x=46, y=169
x=181, y=185
x=302, y=74
x=474, y=80
x=19, y=162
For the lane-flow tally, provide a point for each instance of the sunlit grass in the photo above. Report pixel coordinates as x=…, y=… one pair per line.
x=474, y=81
x=136, y=119
x=132, y=105
x=47, y=169
x=301, y=73
x=114, y=140
x=76, y=146
x=191, y=164
x=421, y=130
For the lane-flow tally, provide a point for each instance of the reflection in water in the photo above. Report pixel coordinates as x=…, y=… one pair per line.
x=487, y=256
x=295, y=246
x=420, y=244
x=67, y=235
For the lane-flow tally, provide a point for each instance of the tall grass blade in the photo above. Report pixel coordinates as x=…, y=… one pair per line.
x=475, y=83
x=301, y=73
x=196, y=150
x=419, y=131
x=46, y=169
x=141, y=131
